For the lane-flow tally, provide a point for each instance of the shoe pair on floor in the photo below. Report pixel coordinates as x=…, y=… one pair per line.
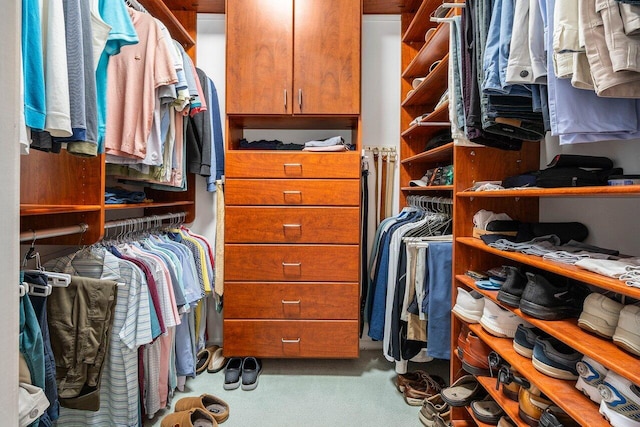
x=198, y=411
x=211, y=359
x=242, y=370
x=418, y=385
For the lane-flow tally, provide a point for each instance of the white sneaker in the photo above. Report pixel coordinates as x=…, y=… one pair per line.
x=600, y=315
x=469, y=305
x=627, y=332
x=499, y=321
x=591, y=376
x=620, y=401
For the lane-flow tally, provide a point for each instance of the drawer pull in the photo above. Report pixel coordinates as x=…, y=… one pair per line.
x=284, y=341
x=292, y=226
x=292, y=196
x=284, y=301
x=289, y=166
x=292, y=264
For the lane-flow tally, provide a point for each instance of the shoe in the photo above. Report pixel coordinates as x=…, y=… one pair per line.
x=410, y=377
x=217, y=360
x=462, y=340
x=627, y=333
x=216, y=407
x=463, y=391
x=474, y=355
x=513, y=286
x=505, y=421
x=202, y=360
x=193, y=417
x=415, y=393
x=511, y=382
x=553, y=416
x=232, y=372
x=469, y=305
x=592, y=374
x=600, y=315
x=548, y=301
x=251, y=369
x=620, y=401
x=432, y=408
x=531, y=404
x=487, y=410
x=525, y=339
x=438, y=420
x=554, y=358
x=498, y=321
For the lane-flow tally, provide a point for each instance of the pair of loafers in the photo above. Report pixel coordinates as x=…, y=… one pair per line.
x=242, y=372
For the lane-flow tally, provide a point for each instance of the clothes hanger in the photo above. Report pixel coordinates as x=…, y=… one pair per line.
x=53, y=279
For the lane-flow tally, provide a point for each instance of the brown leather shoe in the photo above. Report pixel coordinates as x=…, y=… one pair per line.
x=410, y=377
x=462, y=340
x=511, y=382
x=415, y=393
x=531, y=405
x=216, y=407
x=196, y=416
x=474, y=355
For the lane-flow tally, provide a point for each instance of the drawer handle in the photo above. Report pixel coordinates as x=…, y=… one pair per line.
x=292, y=264
x=293, y=165
x=284, y=301
x=292, y=196
x=284, y=341
x=292, y=226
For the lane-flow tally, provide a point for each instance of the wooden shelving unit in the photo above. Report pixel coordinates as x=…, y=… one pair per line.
x=509, y=406
x=437, y=155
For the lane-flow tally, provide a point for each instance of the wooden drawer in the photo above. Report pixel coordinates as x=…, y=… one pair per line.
x=300, y=192
x=291, y=300
x=292, y=225
x=291, y=338
x=248, y=164
x=292, y=263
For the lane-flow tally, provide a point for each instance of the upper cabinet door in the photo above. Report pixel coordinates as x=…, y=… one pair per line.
x=259, y=56
x=327, y=56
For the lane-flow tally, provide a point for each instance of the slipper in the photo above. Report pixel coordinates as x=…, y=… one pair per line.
x=217, y=360
x=202, y=359
x=195, y=417
x=464, y=390
x=232, y=373
x=216, y=407
x=251, y=369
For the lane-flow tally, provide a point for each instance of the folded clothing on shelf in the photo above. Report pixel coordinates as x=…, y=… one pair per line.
x=117, y=195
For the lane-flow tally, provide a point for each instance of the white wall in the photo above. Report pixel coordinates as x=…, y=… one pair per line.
x=612, y=221
x=10, y=21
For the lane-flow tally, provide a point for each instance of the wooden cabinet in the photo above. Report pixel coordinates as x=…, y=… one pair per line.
x=424, y=50
x=293, y=57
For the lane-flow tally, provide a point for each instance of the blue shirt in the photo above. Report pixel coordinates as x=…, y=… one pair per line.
x=33, y=66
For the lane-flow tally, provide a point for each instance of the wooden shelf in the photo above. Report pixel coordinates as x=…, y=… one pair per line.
x=431, y=88
x=430, y=188
x=566, y=270
x=27, y=209
x=568, y=331
x=510, y=407
x=603, y=191
x=147, y=205
x=434, y=49
x=430, y=124
x=439, y=154
x=421, y=22
x=562, y=392
x=159, y=10
x=475, y=419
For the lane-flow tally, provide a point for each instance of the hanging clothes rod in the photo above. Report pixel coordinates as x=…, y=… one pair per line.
x=33, y=235
x=151, y=220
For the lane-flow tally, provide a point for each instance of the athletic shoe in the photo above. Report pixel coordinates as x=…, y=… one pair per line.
x=592, y=375
x=620, y=401
x=469, y=305
x=499, y=321
x=627, y=332
x=525, y=339
x=554, y=358
x=511, y=290
x=552, y=301
x=600, y=315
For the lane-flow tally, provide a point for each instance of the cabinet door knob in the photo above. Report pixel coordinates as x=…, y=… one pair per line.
x=285, y=341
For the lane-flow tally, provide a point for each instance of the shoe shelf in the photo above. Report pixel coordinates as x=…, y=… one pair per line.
x=568, y=331
x=443, y=153
x=421, y=22
x=475, y=419
x=602, y=191
x=437, y=120
x=566, y=270
x=462, y=423
x=431, y=88
x=434, y=49
x=510, y=407
x=562, y=392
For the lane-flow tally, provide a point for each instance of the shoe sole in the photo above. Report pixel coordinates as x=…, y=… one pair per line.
x=413, y=401
x=529, y=420
x=545, y=313
x=552, y=371
x=511, y=395
x=622, y=339
x=595, y=325
x=509, y=299
x=231, y=386
x=616, y=419
x=522, y=350
x=465, y=315
x=252, y=386
x=475, y=370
